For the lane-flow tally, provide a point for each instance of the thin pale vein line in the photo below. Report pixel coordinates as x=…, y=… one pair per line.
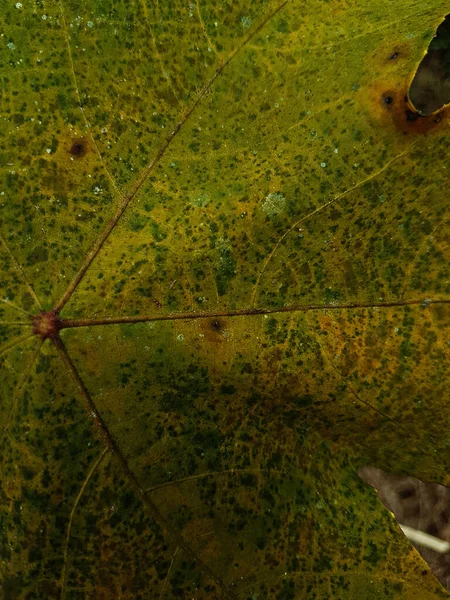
x=350, y=387
x=358, y=397
x=22, y=274
x=71, y=323
x=112, y=445
x=158, y=54
x=9, y=303
x=72, y=513
x=13, y=343
x=168, y=572
x=25, y=374
x=199, y=476
x=146, y=172
x=412, y=263
x=323, y=207
x=205, y=31
x=80, y=105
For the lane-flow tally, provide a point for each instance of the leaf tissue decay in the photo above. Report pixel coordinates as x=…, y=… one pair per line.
x=225, y=288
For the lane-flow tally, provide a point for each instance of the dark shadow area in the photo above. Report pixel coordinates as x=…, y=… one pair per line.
x=430, y=89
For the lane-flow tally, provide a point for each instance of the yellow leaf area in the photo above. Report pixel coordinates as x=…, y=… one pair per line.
x=224, y=289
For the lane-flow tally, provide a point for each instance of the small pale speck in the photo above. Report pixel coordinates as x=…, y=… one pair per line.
x=180, y=337
x=323, y=165
x=90, y=24
x=18, y=4
x=11, y=46
x=48, y=150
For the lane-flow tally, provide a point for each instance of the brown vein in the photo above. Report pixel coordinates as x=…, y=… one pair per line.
x=112, y=445
x=71, y=323
x=146, y=172
x=72, y=513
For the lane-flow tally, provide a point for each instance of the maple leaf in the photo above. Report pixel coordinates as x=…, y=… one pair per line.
x=225, y=288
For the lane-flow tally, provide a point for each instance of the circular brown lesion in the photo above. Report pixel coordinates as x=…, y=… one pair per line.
x=78, y=148
x=46, y=324
x=216, y=325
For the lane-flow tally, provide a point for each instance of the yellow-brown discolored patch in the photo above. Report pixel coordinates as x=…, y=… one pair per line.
x=393, y=108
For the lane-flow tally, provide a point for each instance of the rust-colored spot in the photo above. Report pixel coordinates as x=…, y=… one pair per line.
x=392, y=107
x=214, y=330
x=46, y=324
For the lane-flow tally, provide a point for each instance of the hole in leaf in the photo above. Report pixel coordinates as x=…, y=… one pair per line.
x=430, y=88
x=419, y=508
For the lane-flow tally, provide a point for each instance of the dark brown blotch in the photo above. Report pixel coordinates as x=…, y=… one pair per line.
x=216, y=325
x=78, y=148
x=412, y=116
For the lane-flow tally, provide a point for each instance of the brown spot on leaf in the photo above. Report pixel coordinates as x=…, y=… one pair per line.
x=216, y=325
x=392, y=107
x=412, y=116
x=214, y=330
x=78, y=148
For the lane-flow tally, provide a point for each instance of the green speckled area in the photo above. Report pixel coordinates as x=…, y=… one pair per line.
x=224, y=289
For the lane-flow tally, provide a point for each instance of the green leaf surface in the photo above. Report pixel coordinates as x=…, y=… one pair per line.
x=225, y=288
